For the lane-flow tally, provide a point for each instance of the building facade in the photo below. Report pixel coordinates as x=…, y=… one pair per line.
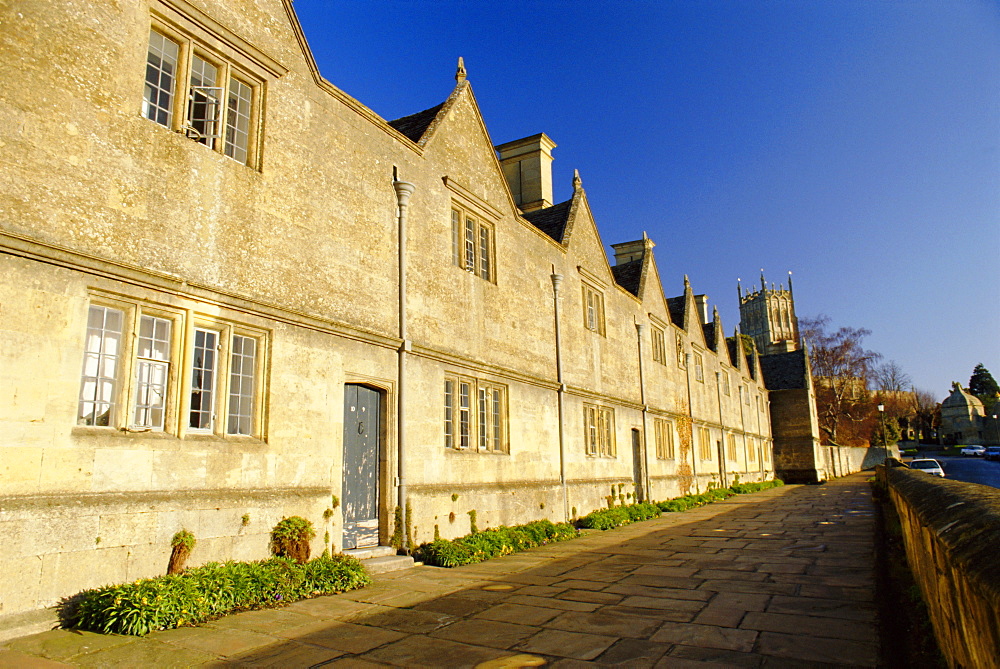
x=964, y=419
x=232, y=293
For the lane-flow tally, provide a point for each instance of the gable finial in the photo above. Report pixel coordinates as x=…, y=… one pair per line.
x=739, y=288
x=460, y=73
x=687, y=283
x=577, y=181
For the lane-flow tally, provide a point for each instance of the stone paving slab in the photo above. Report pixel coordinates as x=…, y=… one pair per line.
x=781, y=578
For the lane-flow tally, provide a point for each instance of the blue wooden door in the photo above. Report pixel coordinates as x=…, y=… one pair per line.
x=360, y=494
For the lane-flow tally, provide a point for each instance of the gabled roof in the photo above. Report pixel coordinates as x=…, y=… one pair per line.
x=736, y=354
x=676, y=305
x=709, y=330
x=785, y=371
x=551, y=220
x=415, y=125
x=629, y=275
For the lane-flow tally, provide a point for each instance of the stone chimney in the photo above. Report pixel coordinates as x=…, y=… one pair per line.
x=701, y=301
x=527, y=166
x=629, y=251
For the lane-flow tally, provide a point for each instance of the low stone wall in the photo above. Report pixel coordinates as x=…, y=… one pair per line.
x=951, y=531
x=843, y=460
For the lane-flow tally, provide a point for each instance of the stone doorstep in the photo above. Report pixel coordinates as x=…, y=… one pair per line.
x=388, y=563
x=369, y=552
x=381, y=559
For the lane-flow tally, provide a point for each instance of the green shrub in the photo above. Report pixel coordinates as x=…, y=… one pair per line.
x=208, y=592
x=493, y=542
x=290, y=538
x=181, y=545
x=744, y=488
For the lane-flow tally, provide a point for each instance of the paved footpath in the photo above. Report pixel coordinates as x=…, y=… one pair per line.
x=782, y=578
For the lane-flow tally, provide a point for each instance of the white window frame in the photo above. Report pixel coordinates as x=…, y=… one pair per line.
x=203, y=393
x=154, y=368
x=103, y=357
x=150, y=389
x=699, y=367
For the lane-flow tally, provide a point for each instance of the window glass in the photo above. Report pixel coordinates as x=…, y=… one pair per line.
x=464, y=417
x=243, y=362
x=238, y=120
x=152, y=371
x=470, y=245
x=102, y=350
x=456, y=235
x=203, y=103
x=484, y=252
x=203, y=375
x=484, y=430
x=599, y=425
x=161, y=69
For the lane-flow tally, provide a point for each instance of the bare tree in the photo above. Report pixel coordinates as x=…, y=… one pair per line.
x=841, y=368
x=890, y=377
x=928, y=412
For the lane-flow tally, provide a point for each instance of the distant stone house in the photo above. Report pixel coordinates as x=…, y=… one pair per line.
x=964, y=419
x=233, y=293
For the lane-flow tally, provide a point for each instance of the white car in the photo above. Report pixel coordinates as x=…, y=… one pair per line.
x=973, y=450
x=928, y=465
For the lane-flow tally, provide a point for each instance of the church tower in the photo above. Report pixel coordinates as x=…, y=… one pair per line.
x=768, y=315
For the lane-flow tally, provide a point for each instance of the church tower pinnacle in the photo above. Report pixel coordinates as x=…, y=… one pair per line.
x=768, y=315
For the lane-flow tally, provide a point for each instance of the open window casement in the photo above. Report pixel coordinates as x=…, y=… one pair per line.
x=204, y=122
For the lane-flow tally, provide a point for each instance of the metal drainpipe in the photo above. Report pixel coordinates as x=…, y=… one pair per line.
x=561, y=395
x=722, y=424
x=760, y=436
x=694, y=458
x=403, y=192
x=743, y=427
x=639, y=330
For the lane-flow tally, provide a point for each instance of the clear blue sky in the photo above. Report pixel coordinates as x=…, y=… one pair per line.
x=856, y=144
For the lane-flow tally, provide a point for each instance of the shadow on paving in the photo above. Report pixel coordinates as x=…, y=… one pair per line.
x=779, y=578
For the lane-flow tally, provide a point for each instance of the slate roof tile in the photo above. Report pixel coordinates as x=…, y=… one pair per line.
x=415, y=125
x=551, y=220
x=676, y=307
x=628, y=275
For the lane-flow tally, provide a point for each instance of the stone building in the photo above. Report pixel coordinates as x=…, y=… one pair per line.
x=964, y=419
x=233, y=293
x=767, y=317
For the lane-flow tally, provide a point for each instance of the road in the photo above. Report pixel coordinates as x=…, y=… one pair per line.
x=970, y=469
